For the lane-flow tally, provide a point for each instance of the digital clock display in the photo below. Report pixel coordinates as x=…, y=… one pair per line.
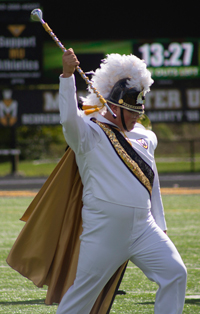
x=170, y=59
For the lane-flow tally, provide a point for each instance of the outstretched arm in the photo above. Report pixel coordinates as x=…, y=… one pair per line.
x=77, y=132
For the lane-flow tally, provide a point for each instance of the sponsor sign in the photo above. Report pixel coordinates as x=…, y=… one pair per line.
x=21, y=44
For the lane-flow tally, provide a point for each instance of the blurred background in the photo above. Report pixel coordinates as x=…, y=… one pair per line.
x=166, y=35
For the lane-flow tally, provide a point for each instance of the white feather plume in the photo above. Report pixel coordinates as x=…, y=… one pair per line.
x=114, y=68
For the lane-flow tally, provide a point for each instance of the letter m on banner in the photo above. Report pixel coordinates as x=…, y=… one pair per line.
x=50, y=101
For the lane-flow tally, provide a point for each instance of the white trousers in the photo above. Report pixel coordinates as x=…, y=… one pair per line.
x=113, y=234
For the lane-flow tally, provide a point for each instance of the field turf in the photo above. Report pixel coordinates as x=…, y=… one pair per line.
x=19, y=295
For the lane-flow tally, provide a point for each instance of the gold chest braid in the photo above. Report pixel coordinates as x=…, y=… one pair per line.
x=133, y=161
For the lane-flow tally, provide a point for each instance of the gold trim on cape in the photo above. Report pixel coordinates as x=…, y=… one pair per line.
x=129, y=162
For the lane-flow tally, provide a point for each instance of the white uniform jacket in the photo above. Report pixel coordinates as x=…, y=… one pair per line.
x=102, y=172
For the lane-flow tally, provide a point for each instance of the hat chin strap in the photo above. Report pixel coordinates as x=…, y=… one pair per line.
x=122, y=119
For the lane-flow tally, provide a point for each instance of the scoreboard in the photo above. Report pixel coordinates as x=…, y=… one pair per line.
x=30, y=68
x=169, y=58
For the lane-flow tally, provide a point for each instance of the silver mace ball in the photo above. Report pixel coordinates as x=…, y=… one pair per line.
x=36, y=15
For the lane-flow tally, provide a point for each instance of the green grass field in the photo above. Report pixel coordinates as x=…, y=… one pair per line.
x=44, y=168
x=19, y=295
x=29, y=168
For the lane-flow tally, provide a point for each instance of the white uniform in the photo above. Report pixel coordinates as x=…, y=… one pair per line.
x=120, y=221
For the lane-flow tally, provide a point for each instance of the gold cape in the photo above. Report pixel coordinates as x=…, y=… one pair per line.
x=47, y=249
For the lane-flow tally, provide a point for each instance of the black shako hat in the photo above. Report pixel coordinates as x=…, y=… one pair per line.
x=127, y=98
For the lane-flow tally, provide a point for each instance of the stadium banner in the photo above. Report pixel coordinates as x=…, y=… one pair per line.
x=40, y=106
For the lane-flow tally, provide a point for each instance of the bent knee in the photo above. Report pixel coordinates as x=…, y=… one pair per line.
x=180, y=271
x=183, y=271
